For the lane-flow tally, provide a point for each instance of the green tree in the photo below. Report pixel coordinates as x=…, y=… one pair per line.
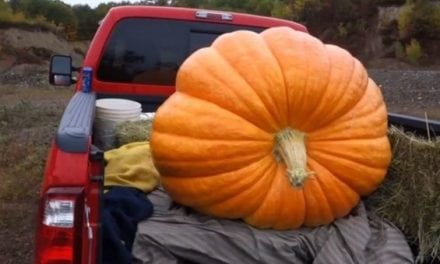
x=282, y=10
x=162, y=2
x=102, y=9
x=35, y=8
x=62, y=15
x=419, y=19
x=87, y=21
x=53, y=11
x=16, y=5
x=191, y=3
x=5, y=11
x=260, y=7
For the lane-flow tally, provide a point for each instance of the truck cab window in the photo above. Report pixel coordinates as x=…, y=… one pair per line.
x=150, y=51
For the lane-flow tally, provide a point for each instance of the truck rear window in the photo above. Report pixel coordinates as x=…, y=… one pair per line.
x=150, y=51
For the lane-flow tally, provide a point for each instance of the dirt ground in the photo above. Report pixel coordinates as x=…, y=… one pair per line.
x=411, y=92
x=28, y=118
x=30, y=110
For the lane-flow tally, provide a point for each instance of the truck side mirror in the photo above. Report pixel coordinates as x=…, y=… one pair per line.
x=60, y=72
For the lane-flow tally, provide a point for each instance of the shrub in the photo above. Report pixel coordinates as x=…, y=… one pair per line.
x=342, y=30
x=405, y=19
x=419, y=19
x=399, y=50
x=413, y=51
x=5, y=11
x=390, y=2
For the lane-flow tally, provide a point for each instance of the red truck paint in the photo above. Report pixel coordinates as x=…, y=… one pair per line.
x=77, y=177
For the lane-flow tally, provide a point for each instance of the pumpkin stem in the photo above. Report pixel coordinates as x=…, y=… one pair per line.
x=290, y=145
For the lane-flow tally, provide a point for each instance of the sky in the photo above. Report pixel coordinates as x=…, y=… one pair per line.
x=92, y=3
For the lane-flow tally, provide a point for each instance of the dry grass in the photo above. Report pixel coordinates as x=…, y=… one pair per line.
x=409, y=197
x=28, y=118
x=132, y=131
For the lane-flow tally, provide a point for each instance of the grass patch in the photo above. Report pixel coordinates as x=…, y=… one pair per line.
x=26, y=129
x=28, y=120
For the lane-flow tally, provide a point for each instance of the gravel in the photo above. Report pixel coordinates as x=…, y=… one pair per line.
x=410, y=92
x=26, y=75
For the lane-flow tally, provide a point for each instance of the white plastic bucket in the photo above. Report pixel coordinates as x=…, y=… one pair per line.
x=109, y=113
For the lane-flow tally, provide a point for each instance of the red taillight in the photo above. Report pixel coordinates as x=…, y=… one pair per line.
x=60, y=226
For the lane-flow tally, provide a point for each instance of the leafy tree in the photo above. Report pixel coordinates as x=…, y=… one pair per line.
x=35, y=8
x=62, y=14
x=191, y=3
x=102, y=9
x=162, y=2
x=54, y=11
x=16, y=5
x=5, y=11
x=87, y=21
x=267, y=7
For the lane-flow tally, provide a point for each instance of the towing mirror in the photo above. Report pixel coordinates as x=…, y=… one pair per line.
x=60, y=72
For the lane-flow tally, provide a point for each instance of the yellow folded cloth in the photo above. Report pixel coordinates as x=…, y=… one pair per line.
x=131, y=166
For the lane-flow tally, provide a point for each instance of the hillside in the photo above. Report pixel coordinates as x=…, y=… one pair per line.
x=25, y=54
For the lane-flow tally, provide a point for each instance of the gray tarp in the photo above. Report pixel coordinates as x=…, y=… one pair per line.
x=175, y=234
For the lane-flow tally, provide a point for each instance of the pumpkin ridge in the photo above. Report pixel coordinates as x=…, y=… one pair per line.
x=190, y=112
x=294, y=208
x=350, y=106
x=280, y=205
x=264, y=174
x=178, y=165
x=211, y=139
x=363, y=184
x=189, y=160
x=296, y=65
x=268, y=119
x=275, y=125
x=338, y=114
x=252, y=216
x=348, y=156
x=315, y=198
x=337, y=184
x=345, y=138
x=307, y=80
x=316, y=136
x=244, y=182
x=367, y=110
x=309, y=121
x=270, y=48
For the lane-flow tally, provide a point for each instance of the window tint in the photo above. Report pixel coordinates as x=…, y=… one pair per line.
x=150, y=51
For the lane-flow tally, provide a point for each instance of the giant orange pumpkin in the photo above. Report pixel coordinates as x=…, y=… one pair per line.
x=275, y=128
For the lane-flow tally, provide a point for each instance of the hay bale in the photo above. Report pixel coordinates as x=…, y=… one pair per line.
x=133, y=131
x=410, y=194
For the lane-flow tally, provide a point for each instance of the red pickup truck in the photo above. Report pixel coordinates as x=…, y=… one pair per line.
x=129, y=41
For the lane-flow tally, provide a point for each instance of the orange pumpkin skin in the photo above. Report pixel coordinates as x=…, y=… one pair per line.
x=214, y=141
